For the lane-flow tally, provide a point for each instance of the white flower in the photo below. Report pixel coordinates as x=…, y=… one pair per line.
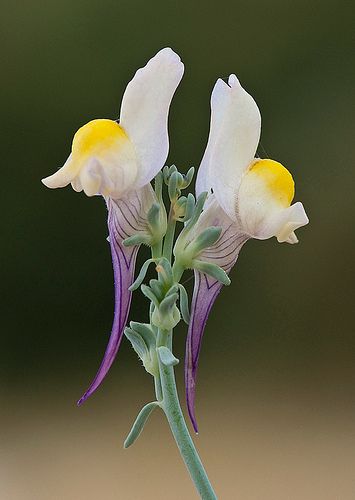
x=248, y=198
x=118, y=161
x=255, y=193
x=111, y=158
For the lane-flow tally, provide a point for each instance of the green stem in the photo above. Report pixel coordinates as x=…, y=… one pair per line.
x=158, y=389
x=173, y=412
x=156, y=250
x=169, y=236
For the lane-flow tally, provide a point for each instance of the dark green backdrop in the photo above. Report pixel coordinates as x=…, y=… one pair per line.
x=280, y=342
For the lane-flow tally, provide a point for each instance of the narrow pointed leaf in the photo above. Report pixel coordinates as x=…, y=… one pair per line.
x=184, y=304
x=145, y=331
x=136, y=239
x=153, y=216
x=212, y=270
x=148, y=292
x=188, y=177
x=137, y=342
x=157, y=289
x=168, y=303
x=141, y=275
x=140, y=423
x=190, y=205
x=206, y=239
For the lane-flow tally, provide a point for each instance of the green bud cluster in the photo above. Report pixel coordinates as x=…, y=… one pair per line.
x=168, y=298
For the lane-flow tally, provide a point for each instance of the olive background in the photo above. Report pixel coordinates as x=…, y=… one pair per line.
x=276, y=384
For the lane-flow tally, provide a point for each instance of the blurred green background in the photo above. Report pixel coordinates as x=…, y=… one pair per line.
x=275, y=398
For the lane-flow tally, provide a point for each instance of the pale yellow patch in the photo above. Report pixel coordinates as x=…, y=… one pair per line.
x=277, y=179
x=96, y=137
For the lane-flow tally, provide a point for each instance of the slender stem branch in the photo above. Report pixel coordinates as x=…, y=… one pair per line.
x=165, y=385
x=169, y=237
x=173, y=412
x=157, y=250
x=158, y=389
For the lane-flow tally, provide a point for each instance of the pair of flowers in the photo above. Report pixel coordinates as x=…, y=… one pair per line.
x=248, y=197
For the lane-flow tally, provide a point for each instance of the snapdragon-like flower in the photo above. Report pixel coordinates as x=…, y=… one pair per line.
x=248, y=198
x=118, y=160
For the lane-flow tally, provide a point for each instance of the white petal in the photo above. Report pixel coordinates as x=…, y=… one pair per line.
x=218, y=109
x=63, y=176
x=145, y=108
x=282, y=223
x=90, y=177
x=233, y=140
x=107, y=163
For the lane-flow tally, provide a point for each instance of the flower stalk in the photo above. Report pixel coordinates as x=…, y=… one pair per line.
x=172, y=409
x=164, y=293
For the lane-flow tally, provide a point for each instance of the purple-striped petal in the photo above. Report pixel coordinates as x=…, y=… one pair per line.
x=224, y=253
x=125, y=217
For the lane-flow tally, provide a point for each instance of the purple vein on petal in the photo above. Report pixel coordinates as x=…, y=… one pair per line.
x=122, y=222
x=202, y=302
x=206, y=290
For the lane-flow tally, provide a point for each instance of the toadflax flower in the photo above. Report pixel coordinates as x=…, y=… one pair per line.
x=248, y=198
x=118, y=159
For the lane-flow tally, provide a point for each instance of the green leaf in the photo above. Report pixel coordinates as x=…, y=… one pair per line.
x=212, y=270
x=167, y=171
x=188, y=177
x=167, y=357
x=173, y=289
x=206, y=239
x=141, y=275
x=173, y=185
x=137, y=239
x=158, y=186
x=184, y=304
x=180, y=208
x=140, y=423
x=153, y=215
x=137, y=342
x=197, y=211
x=145, y=331
x=158, y=288
x=148, y=292
x=166, y=271
x=166, y=305
x=190, y=206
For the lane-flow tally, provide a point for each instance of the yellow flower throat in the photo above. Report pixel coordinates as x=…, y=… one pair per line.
x=97, y=136
x=277, y=178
